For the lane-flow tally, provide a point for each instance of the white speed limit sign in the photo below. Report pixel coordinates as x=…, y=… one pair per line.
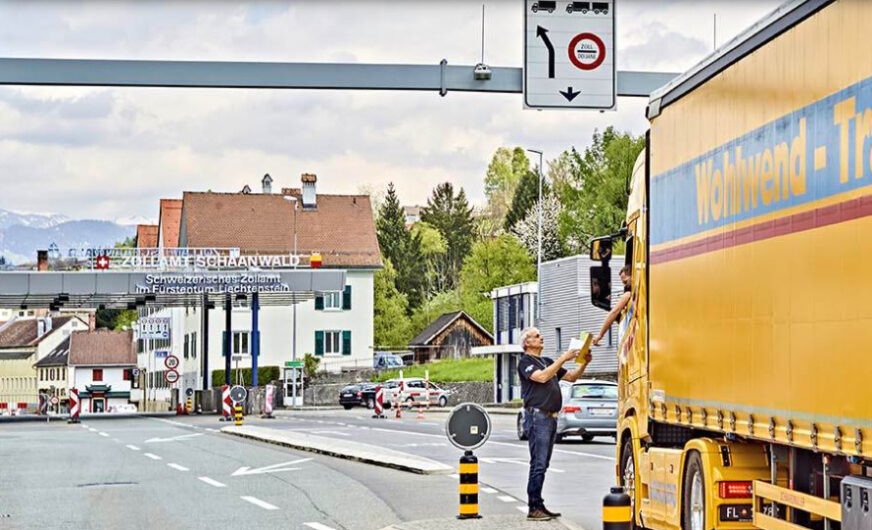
x=171, y=362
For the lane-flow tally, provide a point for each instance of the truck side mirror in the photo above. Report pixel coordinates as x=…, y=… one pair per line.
x=601, y=287
x=601, y=249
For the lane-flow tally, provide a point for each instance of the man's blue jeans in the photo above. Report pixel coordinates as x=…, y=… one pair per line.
x=541, y=433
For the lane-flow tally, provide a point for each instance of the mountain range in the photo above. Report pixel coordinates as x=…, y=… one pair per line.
x=21, y=235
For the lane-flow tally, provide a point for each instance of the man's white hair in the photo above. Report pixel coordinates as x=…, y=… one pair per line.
x=526, y=334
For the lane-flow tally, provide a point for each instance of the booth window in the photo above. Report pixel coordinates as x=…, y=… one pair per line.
x=97, y=374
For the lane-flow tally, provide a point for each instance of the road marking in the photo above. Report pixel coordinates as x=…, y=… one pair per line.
x=176, y=466
x=210, y=429
x=174, y=438
x=454, y=475
x=258, y=502
x=92, y=429
x=506, y=498
x=488, y=490
x=116, y=440
x=335, y=433
x=275, y=468
x=318, y=526
x=522, y=509
x=591, y=455
x=133, y=447
x=84, y=426
x=171, y=422
x=211, y=482
x=152, y=456
x=103, y=434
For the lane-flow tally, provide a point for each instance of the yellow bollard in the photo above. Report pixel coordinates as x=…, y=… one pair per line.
x=617, y=512
x=238, y=413
x=189, y=405
x=468, y=487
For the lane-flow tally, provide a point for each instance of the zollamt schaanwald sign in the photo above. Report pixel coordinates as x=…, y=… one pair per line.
x=205, y=283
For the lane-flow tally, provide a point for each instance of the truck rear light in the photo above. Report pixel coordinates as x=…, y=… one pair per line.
x=735, y=489
x=570, y=409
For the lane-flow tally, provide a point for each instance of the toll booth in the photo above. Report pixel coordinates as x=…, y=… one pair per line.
x=293, y=379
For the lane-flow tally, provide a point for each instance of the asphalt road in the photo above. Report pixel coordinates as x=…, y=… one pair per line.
x=580, y=474
x=159, y=473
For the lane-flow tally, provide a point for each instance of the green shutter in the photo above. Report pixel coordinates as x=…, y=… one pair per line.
x=319, y=342
x=346, y=298
x=319, y=303
x=346, y=342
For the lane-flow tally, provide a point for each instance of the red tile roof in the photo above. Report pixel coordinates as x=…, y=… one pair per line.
x=170, y=221
x=102, y=347
x=146, y=236
x=341, y=228
x=25, y=332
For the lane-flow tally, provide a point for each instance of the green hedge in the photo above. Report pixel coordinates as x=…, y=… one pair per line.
x=265, y=374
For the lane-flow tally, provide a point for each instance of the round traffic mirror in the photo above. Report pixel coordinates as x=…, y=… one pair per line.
x=468, y=426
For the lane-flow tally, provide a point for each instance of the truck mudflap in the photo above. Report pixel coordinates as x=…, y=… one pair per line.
x=767, y=495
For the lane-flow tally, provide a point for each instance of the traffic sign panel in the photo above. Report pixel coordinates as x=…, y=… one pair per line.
x=171, y=362
x=54, y=400
x=171, y=376
x=569, y=55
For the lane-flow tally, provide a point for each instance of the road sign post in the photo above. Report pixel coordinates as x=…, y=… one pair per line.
x=468, y=427
x=569, y=56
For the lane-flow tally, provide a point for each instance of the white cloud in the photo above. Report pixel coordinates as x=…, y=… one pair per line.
x=108, y=152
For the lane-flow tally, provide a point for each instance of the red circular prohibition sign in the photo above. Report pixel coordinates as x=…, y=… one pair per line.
x=599, y=44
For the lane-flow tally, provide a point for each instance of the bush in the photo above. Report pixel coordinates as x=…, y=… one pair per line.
x=448, y=371
x=265, y=374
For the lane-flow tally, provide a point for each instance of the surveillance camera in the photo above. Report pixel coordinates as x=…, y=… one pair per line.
x=482, y=72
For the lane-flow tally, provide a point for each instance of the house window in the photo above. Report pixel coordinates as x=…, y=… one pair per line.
x=187, y=345
x=65, y=374
x=97, y=374
x=241, y=340
x=559, y=340
x=333, y=300
x=194, y=345
x=332, y=342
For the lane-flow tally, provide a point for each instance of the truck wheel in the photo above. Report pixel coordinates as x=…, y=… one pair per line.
x=693, y=501
x=587, y=437
x=628, y=477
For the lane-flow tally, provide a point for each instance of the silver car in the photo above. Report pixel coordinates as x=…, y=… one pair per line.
x=590, y=408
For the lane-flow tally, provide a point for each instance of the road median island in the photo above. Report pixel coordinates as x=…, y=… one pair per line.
x=489, y=522
x=349, y=450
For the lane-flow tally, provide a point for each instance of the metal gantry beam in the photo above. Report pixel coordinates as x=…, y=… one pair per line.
x=221, y=74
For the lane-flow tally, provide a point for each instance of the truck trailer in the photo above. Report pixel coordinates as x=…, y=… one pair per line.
x=745, y=353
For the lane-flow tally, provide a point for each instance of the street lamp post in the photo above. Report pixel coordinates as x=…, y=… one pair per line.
x=291, y=198
x=539, y=244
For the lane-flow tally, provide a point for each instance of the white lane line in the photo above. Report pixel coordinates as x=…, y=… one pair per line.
x=176, y=466
x=318, y=526
x=488, y=490
x=152, y=456
x=591, y=455
x=522, y=509
x=92, y=429
x=506, y=498
x=210, y=429
x=335, y=433
x=116, y=440
x=211, y=482
x=258, y=502
x=84, y=426
x=454, y=475
x=171, y=422
x=132, y=447
x=103, y=434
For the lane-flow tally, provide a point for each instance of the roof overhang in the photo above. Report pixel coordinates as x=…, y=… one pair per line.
x=499, y=348
x=178, y=289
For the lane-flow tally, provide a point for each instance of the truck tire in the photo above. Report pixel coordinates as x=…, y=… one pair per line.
x=628, y=476
x=693, y=505
x=587, y=437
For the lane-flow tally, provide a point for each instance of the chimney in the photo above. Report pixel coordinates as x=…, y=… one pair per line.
x=309, y=195
x=246, y=189
x=42, y=260
x=267, y=184
x=48, y=323
x=40, y=327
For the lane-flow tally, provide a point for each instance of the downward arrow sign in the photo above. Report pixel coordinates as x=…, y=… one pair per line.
x=173, y=439
x=570, y=94
x=275, y=468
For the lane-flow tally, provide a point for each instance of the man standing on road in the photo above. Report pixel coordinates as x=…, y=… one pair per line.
x=540, y=389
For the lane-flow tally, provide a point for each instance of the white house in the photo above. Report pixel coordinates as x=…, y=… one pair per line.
x=101, y=367
x=337, y=327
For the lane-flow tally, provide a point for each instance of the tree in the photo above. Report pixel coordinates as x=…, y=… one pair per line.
x=391, y=323
x=596, y=187
x=451, y=215
x=526, y=198
x=433, y=249
x=504, y=174
x=439, y=304
x=118, y=319
x=402, y=249
x=491, y=264
x=527, y=230
x=129, y=242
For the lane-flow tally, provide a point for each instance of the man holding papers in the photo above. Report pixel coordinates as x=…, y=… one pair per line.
x=540, y=389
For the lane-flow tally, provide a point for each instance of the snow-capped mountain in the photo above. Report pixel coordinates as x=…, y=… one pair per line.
x=33, y=220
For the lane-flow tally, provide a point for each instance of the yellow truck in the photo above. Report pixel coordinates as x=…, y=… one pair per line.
x=745, y=349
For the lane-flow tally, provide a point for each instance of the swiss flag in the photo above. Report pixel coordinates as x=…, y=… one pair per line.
x=102, y=262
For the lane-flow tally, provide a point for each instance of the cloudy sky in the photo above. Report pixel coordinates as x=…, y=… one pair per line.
x=112, y=153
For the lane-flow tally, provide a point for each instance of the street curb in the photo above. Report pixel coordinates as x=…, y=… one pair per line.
x=348, y=450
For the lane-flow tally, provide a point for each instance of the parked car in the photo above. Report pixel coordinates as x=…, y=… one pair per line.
x=590, y=408
x=361, y=394
x=387, y=361
x=414, y=391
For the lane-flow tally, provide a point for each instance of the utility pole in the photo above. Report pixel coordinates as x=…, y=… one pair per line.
x=539, y=243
